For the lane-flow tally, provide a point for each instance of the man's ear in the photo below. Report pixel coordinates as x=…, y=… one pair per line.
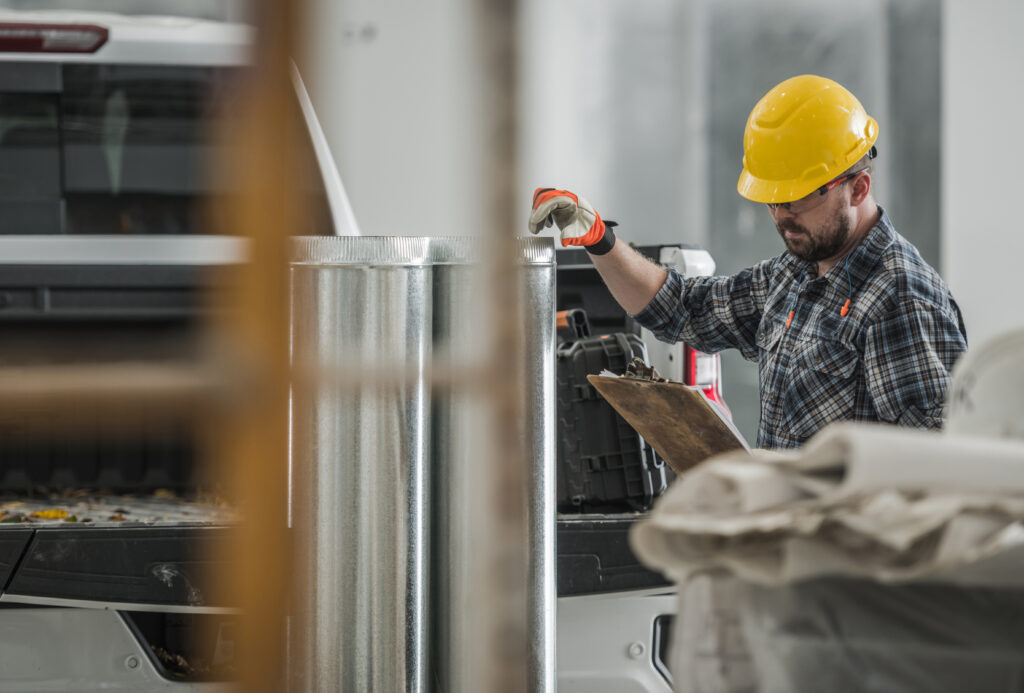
x=860, y=188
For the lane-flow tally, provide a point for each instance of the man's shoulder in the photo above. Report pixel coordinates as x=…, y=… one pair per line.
x=909, y=276
x=902, y=285
x=899, y=272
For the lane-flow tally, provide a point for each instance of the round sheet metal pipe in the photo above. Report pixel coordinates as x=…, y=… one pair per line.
x=462, y=515
x=388, y=501
x=359, y=492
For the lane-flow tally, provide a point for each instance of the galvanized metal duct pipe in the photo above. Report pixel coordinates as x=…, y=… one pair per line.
x=361, y=309
x=456, y=419
x=539, y=433
x=460, y=509
x=385, y=323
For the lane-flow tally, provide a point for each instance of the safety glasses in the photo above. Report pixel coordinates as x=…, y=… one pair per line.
x=813, y=200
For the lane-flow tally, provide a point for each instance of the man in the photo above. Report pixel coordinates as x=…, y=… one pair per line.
x=848, y=324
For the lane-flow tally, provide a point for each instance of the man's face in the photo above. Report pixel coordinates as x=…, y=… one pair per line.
x=816, y=241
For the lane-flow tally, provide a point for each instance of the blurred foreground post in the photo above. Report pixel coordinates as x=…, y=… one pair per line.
x=515, y=649
x=249, y=440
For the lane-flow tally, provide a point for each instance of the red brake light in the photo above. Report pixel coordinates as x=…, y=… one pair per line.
x=51, y=38
x=704, y=371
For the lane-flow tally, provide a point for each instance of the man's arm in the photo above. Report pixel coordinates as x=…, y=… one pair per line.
x=907, y=360
x=711, y=313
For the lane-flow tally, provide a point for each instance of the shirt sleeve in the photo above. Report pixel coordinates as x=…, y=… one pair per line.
x=710, y=313
x=907, y=359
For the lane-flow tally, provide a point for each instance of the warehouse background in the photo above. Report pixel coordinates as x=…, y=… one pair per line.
x=640, y=107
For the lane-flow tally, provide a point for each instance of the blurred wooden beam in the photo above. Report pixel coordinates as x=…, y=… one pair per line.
x=509, y=660
x=111, y=397
x=250, y=441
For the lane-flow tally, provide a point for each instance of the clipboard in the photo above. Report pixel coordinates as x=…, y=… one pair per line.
x=678, y=420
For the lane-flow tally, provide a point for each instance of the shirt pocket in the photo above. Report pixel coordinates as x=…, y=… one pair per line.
x=822, y=387
x=768, y=334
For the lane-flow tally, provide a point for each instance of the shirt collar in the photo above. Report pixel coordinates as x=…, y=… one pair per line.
x=863, y=258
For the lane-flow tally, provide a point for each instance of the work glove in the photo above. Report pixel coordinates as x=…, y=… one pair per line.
x=578, y=222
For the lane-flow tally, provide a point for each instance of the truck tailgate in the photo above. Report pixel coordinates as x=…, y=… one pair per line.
x=144, y=552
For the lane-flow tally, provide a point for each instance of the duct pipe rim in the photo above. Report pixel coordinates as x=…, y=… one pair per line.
x=326, y=251
x=409, y=250
x=537, y=250
x=464, y=250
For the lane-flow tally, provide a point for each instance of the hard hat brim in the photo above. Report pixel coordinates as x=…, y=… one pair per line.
x=774, y=191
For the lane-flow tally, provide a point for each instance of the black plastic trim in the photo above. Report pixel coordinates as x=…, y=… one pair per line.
x=13, y=543
x=127, y=292
x=661, y=644
x=594, y=556
x=144, y=645
x=159, y=566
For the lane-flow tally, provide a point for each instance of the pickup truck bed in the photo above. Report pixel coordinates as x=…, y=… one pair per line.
x=90, y=300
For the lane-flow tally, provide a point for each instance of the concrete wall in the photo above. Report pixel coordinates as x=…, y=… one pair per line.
x=614, y=109
x=982, y=157
x=397, y=88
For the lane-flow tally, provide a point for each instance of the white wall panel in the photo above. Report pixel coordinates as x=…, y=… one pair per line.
x=397, y=86
x=982, y=157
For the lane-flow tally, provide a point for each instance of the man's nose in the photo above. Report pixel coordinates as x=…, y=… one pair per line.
x=782, y=211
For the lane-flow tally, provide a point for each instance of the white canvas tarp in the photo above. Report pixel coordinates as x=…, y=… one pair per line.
x=858, y=500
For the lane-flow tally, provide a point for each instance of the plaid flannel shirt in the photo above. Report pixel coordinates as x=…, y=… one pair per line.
x=887, y=360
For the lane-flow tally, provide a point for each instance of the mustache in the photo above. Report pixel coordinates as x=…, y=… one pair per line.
x=790, y=225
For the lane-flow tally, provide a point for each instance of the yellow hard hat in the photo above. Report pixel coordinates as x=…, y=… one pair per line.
x=800, y=135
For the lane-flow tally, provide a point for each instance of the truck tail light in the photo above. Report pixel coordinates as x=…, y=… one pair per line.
x=16, y=37
x=705, y=371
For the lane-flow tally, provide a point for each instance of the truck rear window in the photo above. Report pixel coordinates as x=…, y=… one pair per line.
x=110, y=149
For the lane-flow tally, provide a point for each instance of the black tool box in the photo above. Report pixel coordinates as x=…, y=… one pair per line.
x=579, y=286
x=603, y=464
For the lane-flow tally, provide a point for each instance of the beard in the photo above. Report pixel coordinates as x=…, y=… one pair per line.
x=829, y=242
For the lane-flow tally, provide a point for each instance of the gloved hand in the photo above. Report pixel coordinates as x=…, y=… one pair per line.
x=578, y=222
